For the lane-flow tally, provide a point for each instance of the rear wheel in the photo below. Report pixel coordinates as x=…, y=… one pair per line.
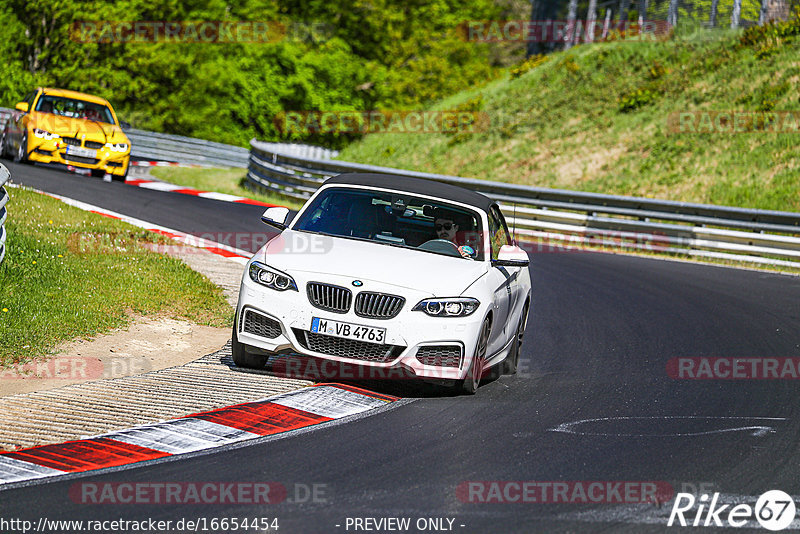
x=469, y=385
x=241, y=357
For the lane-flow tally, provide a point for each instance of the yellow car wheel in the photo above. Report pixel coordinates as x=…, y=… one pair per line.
x=21, y=155
x=3, y=145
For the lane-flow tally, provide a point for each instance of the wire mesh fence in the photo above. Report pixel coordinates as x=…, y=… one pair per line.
x=557, y=25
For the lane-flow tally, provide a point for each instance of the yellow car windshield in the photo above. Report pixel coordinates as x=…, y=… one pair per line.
x=74, y=108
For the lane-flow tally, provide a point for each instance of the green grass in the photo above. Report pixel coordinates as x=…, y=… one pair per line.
x=230, y=181
x=595, y=118
x=70, y=274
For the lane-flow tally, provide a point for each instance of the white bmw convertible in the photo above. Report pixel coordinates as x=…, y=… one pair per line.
x=388, y=272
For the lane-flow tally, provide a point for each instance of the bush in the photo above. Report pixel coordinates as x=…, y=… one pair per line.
x=528, y=65
x=771, y=35
x=637, y=99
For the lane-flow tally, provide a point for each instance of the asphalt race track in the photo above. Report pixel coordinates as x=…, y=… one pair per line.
x=593, y=401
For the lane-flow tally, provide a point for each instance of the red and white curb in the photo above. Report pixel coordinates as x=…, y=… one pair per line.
x=234, y=254
x=165, y=186
x=274, y=415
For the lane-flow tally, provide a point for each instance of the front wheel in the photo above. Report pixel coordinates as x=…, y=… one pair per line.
x=3, y=146
x=241, y=357
x=124, y=176
x=512, y=360
x=22, y=152
x=469, y=385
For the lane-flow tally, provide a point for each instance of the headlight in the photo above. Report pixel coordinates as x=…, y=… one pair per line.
x=273, y=279
x=447, y=307
x=117, y=147
x=44, y=134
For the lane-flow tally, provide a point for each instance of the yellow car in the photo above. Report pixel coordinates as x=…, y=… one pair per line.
x=67, y=128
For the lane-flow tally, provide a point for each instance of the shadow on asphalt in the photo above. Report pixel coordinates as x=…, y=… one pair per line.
x=397, y=381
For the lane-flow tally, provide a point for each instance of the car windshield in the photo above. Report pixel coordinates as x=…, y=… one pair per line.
x=394, y=219
x=74, y=108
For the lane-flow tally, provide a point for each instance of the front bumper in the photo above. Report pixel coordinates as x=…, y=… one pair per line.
x=54, y=151
x=413, y=339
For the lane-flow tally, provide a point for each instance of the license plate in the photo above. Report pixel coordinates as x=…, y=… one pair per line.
x=348, y=330
x=82, y=152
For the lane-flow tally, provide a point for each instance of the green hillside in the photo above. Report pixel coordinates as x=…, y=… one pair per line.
x=596, y=118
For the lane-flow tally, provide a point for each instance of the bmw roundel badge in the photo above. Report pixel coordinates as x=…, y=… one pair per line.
x=358, y=283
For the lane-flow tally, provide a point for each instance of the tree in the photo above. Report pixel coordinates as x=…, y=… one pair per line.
x=591, y=19
x=624, y=6
x=542, y=11
x=642, y=11
x=736, y=13
x=712, y=19
x=572, y=17
x=672, y=13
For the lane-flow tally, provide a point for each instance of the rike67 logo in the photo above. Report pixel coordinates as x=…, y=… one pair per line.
x=774, y=510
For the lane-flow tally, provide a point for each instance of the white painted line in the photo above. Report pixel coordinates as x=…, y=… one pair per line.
x=158, y=186
x=181, y=435
x=757, y=430
x=168, y=164
x=13, y=470
x=220, y=196
x=329, y=401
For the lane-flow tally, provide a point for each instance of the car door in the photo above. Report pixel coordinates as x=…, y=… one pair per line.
x=501, y=280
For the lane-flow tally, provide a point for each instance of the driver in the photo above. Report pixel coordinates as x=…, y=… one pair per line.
x=446, y=228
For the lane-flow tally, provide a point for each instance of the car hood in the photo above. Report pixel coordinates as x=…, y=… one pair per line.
x=72, y=127
x=435, y=274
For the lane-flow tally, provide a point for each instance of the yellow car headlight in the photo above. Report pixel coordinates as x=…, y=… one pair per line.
x=117, y=147
x=44, y=134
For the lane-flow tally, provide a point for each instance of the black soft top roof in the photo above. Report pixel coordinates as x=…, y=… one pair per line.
x=415, y=185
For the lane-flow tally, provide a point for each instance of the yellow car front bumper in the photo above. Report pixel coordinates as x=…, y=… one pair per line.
x=55, y=151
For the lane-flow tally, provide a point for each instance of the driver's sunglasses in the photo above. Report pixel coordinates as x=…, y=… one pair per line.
x=446, y=226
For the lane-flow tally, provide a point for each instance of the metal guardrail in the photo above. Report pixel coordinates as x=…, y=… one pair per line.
x=554, y=219
x=153, y=146
x=4, y=177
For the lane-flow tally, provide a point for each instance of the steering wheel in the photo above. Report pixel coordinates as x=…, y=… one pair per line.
x=442, y=246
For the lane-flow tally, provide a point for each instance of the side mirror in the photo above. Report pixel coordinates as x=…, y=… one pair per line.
x=22, y=106
x=511, y=256
x=276, y=217
x=125, y=125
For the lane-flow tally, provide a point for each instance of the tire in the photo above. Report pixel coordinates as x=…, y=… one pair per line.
x=3, y=146
x=512, y=360
x=124, y=174
x=469, y=385
x=22, y=152
x=241, y=357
